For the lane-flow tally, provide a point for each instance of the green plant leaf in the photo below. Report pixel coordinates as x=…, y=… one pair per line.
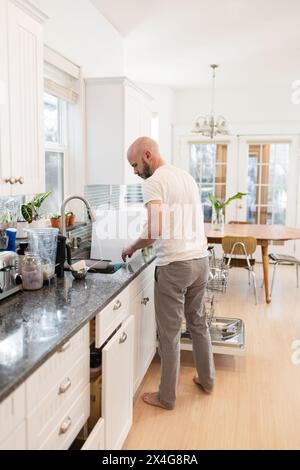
x=236, y=196
x=39, y=199
x=27, y=212
x=214, y=202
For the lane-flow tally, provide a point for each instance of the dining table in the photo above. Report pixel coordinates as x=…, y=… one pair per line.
x=263, y=233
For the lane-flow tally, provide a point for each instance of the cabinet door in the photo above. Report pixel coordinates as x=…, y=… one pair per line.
x=4, y=115
x=25, y=63
x=117, y=380
x=147, y=328
x=132, y=128
x=136, y=310
x=146, y=117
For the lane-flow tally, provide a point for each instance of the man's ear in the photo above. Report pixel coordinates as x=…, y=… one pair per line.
x=147, y=155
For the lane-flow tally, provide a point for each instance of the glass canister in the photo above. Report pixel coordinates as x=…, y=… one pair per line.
x=32, y=273
x=44, y=243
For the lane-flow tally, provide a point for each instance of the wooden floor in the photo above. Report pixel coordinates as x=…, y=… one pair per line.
x=256, y=400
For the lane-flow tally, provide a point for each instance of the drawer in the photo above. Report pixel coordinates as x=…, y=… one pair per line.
x=62, y=434
x=56, y=368
x=12, y=412
x=50, y=411
x=17, y=439
x=95, y=440
x=111, y=317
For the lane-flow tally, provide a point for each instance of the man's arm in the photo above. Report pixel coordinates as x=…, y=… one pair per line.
x=151, y=232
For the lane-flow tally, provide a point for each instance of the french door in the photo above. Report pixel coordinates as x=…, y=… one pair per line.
x=267, y=171
x=264, y=167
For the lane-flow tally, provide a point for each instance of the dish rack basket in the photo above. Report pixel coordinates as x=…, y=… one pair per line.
x=218, y=275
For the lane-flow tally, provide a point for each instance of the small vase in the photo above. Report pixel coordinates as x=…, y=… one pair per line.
x=217, y=220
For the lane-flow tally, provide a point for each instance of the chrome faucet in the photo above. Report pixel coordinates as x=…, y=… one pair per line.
x=90, y=211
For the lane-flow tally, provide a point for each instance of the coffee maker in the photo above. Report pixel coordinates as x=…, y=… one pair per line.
x=63, y=253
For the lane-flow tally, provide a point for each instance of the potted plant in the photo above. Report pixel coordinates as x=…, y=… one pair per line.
x=31, y=210
x=70, y=218
x=55, y=220
x=218, y=206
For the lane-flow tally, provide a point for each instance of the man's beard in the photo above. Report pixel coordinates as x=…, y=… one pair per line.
x=147, y=172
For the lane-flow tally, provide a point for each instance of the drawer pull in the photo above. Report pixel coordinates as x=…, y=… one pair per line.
x=65, y=346
x=117, y=305
x=145, y=300
x=65, y=386
x=65, y=426
x=123, y=338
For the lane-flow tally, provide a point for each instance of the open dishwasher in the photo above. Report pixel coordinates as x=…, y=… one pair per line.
x=227, y=334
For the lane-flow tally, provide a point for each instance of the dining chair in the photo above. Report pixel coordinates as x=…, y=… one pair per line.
x=280, y=259
x=238, y=252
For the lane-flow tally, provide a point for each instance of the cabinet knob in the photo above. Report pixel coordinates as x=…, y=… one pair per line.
x=117, y=305
x=145, y=300
x=65, y=425
x=20, y=180
x=65, y=347
x=10, y=180
x=65, y=386
x=123, y=338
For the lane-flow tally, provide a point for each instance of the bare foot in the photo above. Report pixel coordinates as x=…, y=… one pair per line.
x=152, y=399
x=197, y=382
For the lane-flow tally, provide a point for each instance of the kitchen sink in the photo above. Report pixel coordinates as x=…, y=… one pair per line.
x=100, y=266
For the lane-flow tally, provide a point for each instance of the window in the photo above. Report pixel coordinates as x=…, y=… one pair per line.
x=55, y=116
x=267, y=183
x=208, y=166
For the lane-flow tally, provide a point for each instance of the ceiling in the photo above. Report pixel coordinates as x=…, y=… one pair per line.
x=172, y=42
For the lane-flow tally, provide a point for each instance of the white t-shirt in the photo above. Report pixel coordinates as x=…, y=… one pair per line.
x=183, y=236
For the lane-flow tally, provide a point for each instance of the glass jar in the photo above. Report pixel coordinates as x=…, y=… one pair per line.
x=32, y=274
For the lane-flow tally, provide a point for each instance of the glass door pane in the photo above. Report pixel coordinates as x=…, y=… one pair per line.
x=208, y=166
x=54, y=182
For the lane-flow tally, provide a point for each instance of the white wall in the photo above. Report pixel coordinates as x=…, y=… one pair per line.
x=163, y=104
x=249, y=109
x=77, y=30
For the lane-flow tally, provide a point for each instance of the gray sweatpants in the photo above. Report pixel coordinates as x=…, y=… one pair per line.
x=179, y=290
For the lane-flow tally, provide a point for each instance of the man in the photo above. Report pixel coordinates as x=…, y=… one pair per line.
x=175, y=227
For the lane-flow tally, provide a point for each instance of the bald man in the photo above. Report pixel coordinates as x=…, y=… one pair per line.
x=175, y=227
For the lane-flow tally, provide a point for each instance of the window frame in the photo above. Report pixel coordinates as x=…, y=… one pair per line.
x=62, y=146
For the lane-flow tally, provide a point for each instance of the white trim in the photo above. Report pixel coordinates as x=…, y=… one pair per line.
x=57, y=60
x=116, y=81
x=31, y=9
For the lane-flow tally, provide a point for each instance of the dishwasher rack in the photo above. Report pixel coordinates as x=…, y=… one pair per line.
x=227, y=334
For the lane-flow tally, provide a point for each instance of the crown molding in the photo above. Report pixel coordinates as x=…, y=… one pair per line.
x=30, y=8
x=116, y=81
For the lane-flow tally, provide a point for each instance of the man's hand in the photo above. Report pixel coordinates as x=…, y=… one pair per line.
x=127, y=252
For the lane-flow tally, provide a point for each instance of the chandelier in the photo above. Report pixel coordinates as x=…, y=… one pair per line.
x=209, y=125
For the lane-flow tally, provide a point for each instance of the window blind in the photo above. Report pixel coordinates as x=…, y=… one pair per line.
x=61, y=76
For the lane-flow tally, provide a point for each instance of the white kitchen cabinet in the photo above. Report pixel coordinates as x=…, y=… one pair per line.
x=12, y=413
x=21, y=117
x=117, y=385
x=117, y=113
x=144, y=332
x=147, y=328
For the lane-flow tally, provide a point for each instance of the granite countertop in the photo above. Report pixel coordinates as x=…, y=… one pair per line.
x=33, y=325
